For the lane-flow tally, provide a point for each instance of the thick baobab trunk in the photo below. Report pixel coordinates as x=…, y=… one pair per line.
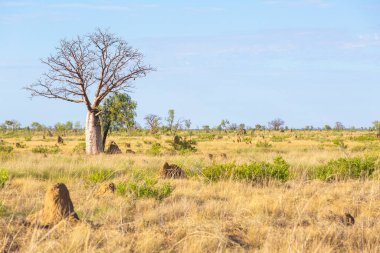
x=94, y=143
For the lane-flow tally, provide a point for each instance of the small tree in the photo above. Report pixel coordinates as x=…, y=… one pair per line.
x=187, y=124
x=35, y=126
x=339, y=126
x=11, y=125
x=152, y=122
x=88, y=66
x=117, y=111
x=77, y=125
x=276, y=124
x=206, y=128
x=376, y=125
x=69, y=125
x=258, y=127
x=170, y=120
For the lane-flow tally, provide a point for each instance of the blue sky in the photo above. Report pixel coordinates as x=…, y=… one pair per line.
x=309, y=62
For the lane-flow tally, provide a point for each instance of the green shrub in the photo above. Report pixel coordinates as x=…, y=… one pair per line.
x=80, y=148
x=254, y=171
x=345, y=168
x=279, y=169
x=263, y=144
x=367, y=137
x=5, y=149
x=40, y=149
x=155, y=149
x=340, y=143
x=4, y=176
x=184, y=146
x=100, y=175
x=3, y=210
x=121, y=188
x=358, y=149
x=147, y=188
x=276, y=138
x=217, y=172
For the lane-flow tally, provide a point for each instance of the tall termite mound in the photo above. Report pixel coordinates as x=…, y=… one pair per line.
x=57, y=206
x=172, y=171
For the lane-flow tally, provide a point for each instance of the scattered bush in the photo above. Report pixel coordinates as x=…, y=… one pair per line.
x=145, y=188
x=80, y=148
x=255, y=171
x=345, y=168
x=340, y=143
x=263, y=144
x=100, y=175
x=4, y=176
x=46, y=149
x=183, y=145
x=155, y=149
x=367, y=137
x=5, y=149
x=276, y=138
x=3, y=210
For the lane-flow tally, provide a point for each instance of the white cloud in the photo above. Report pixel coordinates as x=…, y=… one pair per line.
x=363, y=41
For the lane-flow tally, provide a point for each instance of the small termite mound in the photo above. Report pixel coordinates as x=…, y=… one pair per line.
x=105, y=189
x=348, y=219
x=60, y=140
x=130, y=151
x=57, y=206
x=113, y=149
x=172, y=171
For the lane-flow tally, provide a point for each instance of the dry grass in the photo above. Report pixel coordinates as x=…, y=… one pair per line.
x=198, y=216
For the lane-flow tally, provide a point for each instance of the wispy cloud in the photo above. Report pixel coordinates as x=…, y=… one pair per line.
x=78, y=5
x=317, y=3
x=363, y=41
x=102, y=7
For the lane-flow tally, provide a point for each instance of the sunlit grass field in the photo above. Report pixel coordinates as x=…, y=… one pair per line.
x=236, y=197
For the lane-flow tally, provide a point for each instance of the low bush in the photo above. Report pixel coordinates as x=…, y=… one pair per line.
x=145, y=188
x=80, y=148
x=366, y=137
x=263, y=144
x=184, y=146
x=100, y=175
x=5, y=149
x=340, y=143
x=155, y=149
x=255, y=171
x=46, y=149
x=345, y=168
x=277, y=138
x=4, y=176
x=3, y=210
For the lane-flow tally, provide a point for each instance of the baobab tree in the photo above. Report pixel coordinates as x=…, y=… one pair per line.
x=85, y=70
x=276, y=124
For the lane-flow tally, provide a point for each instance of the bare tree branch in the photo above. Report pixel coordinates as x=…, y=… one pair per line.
x=99, y=58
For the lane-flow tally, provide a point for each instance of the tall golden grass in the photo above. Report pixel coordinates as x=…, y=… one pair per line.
x=300, y=215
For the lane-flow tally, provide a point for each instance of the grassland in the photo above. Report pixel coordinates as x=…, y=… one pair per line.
x=301, y=212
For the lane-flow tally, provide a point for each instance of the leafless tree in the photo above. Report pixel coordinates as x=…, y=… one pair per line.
x=276, y=124
x=152, y=122
x=85, y=70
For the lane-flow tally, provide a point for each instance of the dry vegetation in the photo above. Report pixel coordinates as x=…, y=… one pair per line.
x=301, y=211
